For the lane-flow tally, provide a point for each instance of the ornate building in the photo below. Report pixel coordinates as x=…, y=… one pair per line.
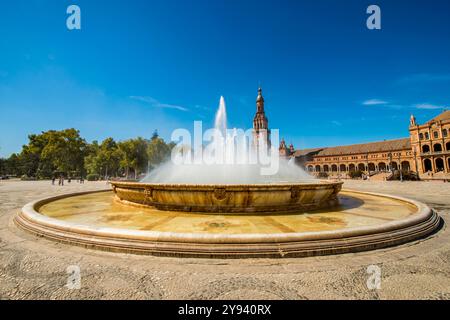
x=426, y=152
x=260, y=122
x=286, y=152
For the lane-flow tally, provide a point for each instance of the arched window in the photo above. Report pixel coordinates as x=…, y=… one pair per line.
x=427, y=165
x=405, y=166
x=334, y=168
x=425, y=148
x=394, y=165
x=361, y=167
x=447, y=146
x=325, y=168
x=351, y=167
x=342, y=168
x=317, y=168
x=310, y=168
x=435, y=134
x=437, y=147
x=445, y=133
x=371, y=166
x=427, y=136
x=439, y=164
x=382, y=166
x=421, y=136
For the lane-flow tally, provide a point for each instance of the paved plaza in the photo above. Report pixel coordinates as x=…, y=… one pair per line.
x=36, y=268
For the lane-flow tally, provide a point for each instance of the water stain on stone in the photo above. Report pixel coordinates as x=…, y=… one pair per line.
x=116, y=217
x=326, y=220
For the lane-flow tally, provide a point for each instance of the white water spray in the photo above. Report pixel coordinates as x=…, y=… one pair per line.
x=234, y=166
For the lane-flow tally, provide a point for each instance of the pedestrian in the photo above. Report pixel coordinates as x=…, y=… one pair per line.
x=53, y=180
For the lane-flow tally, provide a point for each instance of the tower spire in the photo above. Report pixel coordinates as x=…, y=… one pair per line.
x=260, y=121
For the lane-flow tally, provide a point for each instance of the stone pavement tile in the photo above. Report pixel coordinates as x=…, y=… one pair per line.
x=32, y=267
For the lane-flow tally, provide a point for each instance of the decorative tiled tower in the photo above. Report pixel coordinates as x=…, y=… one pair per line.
x=283, y=149
x=260, y=122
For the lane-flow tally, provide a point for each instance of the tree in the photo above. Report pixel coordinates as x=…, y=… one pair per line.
x=50, y=151
x=30, y=161
x=158, y=151
x=133, y=155
x=65, y=150
x=13, y=165
x=103, y=160
x=2, y=166
x=155, y=135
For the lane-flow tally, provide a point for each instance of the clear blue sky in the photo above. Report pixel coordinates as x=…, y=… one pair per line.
x=140, y=65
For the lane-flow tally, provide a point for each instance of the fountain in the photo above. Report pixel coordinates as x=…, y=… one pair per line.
x=232, y=186
x=227, y=208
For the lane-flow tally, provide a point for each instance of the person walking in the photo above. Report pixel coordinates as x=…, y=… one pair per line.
x=53, y=180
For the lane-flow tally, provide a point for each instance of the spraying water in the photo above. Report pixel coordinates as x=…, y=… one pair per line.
x=220, y=122
x=235, y=168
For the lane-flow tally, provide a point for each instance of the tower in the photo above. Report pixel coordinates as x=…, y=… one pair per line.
x=260, y=122
x=412, y=121
x=283, y=149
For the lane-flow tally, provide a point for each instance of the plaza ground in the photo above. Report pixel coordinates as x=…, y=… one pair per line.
x=35, y=268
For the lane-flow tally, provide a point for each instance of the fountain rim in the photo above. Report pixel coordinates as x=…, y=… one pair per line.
x=30, y=214
x=261, y=185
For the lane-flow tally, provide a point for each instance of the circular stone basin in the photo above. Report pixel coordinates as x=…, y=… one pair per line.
x=252, y=198
x=362, y=221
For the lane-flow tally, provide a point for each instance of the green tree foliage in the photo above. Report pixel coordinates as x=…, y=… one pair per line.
x=55, y=152
x=10, y=166
x=133, y=156
x=65, y=150
x=158, y=151
x=49, y=152
x=103, y=160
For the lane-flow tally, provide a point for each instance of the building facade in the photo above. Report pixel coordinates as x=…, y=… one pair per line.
x=426, y=152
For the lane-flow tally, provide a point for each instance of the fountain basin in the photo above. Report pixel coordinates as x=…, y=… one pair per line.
x=362, y=221
x=222, y=199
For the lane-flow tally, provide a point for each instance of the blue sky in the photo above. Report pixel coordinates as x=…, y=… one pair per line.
x=136, y=66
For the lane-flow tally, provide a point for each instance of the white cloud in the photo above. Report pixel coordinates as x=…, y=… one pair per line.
x=423, y=106
x=156, y=104
x=428, y=106
x=424, y=77
x=199, y=107
x=374, y=102
x=336, y=123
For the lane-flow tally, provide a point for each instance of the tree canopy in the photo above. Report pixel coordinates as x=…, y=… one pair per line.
x=65, y=152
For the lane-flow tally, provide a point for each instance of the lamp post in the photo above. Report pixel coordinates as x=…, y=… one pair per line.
x=390, y=161
x=400, y=167
x=415, y=163
x=339, y=166
x=367, y=164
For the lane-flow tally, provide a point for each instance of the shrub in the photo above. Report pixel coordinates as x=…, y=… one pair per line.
x=406, y=175
x=92, y=177
x=322, y=175
x=27, y=178
x=355, y=174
